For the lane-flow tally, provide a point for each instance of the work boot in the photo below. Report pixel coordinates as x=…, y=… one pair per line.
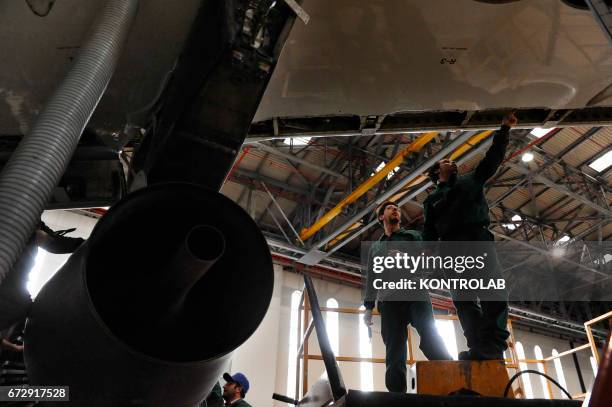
x=475, y=354
x=465, y=355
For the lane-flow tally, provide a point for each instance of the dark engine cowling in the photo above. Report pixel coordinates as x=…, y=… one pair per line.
x=148, y=311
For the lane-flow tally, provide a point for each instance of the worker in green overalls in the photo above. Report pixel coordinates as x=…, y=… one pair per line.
x=458, y=211
x=396, y=315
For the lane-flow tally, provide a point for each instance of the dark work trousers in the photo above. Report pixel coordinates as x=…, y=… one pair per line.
x=484, y=318
x=483, y=315
x=484, y=326
x=395, y=317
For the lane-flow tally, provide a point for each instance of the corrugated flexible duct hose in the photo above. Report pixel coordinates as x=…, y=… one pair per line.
x=36, y=166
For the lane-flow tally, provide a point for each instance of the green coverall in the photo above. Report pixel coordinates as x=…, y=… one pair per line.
x=458, y=211
x=395, y=318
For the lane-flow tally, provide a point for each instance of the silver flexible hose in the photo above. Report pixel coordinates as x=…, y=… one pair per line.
x=35, y=168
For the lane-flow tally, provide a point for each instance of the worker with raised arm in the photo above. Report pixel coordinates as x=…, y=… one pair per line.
x=458, y=211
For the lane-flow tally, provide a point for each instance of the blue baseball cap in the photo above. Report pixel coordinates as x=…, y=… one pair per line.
x=237, y=378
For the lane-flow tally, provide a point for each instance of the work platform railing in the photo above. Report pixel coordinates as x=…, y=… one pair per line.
x=310, y=314
x=591, y=345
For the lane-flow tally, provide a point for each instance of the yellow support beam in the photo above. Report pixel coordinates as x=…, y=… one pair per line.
x=394, y=198
x=413, y=147
x=344, y=234
x=406, y=189
x=464, y=148
x=477, y=138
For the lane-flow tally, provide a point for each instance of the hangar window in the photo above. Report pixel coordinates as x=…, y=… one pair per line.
x=607, y=258
x=293, y=343
x=35, y=282
x=446, y=329
x=539, y=132
x=564, y=239
x=593, y=365
x=365, y=351
x=602, y=162
x=381, y=166
x=559, y=371
x=297, y=141
x=538, y=354
x=331, y=324
x=516, y=220
x=520, y=352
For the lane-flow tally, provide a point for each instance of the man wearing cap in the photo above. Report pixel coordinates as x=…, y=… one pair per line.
x=234, y=390
x=458, y=211
x=396, y=315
